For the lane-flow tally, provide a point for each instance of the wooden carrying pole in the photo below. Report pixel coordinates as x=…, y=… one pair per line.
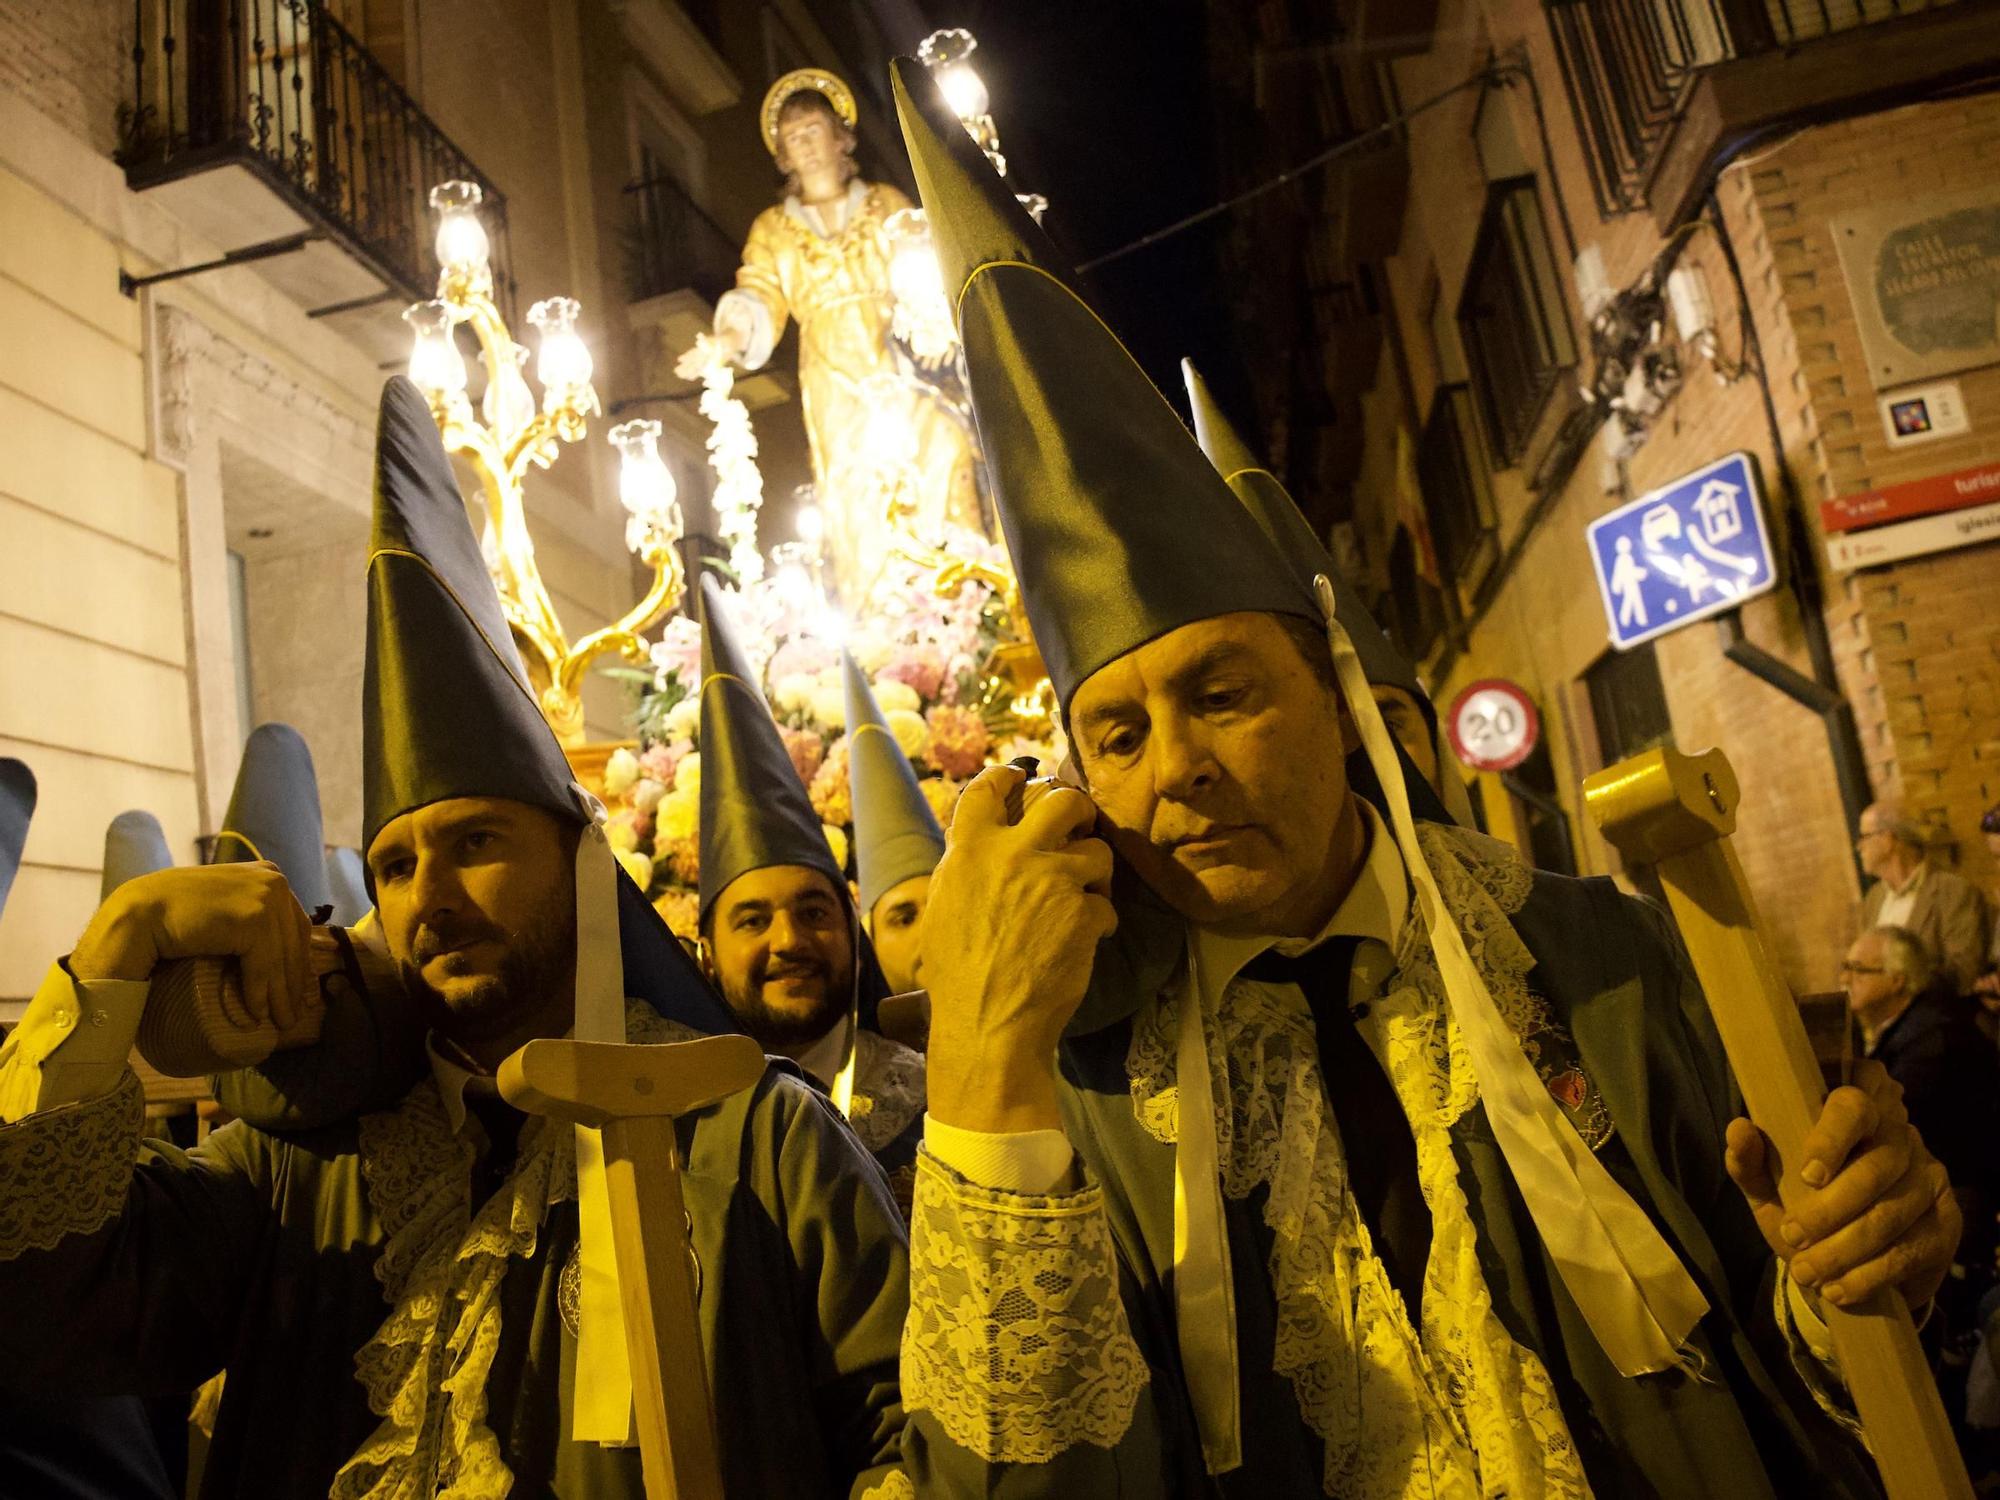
x=1676, y=812
x=633, y=1095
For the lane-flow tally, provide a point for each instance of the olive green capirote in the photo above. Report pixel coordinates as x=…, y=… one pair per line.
x=274, y=813
x=896, y=835
x=754, y=809
x=17, y=810
x=1118, y=528
x=134, y=845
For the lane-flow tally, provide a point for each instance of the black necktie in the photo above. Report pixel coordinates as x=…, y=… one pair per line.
x=502, y=1124
x=1374, y=1133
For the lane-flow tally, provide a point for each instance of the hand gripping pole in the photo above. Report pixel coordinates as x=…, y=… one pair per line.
x=1676, y=812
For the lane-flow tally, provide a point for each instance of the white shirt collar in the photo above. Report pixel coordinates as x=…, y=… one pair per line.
x=1374, y=909
x=454, y=1081
x=814, y=216
x=825, y=1057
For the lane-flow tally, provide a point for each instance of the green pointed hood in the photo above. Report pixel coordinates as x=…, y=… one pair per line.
x=896, y=836
x=1271, y=506
x=134, y=845
x=1118, y=529
x=446, y=707
x=17, y=810
x=274, y=813
x=754, y=809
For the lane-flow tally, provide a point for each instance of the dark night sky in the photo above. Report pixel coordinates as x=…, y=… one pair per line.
x=1103, y=107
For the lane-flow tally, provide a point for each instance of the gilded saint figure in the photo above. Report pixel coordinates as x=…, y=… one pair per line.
x=822, y=256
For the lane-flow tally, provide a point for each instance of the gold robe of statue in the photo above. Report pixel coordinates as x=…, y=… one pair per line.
x=828, y=267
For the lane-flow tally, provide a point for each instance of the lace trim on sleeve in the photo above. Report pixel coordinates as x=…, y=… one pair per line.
x=895, y=1485
x=1821, y=1377
x=66, y=1171
x=1016, y=1341
x=888, y=1088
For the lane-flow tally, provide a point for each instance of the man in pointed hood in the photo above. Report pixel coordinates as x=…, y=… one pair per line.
x=404, y=1299
x=1246, y=1116
x=779, y=931
x=1406, y=708
x=897, y=841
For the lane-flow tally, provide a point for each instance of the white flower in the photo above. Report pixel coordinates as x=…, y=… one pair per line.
x=829, y=706
x=792, y=694
x=684, y=719
x=621, y=771
x=871, y=650
x=892, y=695
x=621, y=835
x=638, y=866
x=678, y=817
x=836, y=840
x=910, y=730
x=647, y=794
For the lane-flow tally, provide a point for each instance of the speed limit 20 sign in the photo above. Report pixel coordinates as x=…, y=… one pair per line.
x=1493, y=726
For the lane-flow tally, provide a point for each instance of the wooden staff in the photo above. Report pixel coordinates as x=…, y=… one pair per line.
x=1676, y=812
x=633, y=1094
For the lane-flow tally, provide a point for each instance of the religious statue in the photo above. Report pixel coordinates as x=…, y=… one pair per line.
x=888, y=450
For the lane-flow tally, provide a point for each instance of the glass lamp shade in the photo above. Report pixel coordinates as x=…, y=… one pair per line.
x=646, y=485
x=564, y=365
x=508, y=404
x=963, y=89
x=462, y=246
x=436, y=367
x=811, y=524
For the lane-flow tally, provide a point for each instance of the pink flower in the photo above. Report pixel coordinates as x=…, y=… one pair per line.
x=679, y=861
x=959, y=739
x=678, y=650
x=800, y=654
x=658, y=760
x=806, y=749
x=829, y=790
x=682, y=910
x=920, y=667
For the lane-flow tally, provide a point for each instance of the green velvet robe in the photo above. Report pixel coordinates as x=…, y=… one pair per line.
x=260, y=1255
x=1615, y=979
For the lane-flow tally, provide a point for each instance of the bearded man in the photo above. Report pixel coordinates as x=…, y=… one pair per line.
x=1284, y=1138
x=780, y=935
x=412, y=1301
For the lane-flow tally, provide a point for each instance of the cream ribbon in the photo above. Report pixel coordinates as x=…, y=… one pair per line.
x=602, y=1400
x=1637, y=1297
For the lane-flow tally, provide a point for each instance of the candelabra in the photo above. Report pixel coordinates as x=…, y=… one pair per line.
x=512, y=433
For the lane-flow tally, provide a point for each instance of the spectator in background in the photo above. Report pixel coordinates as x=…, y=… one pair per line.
x=1944, y=910
x=1912, y=1024
x=1986, y=989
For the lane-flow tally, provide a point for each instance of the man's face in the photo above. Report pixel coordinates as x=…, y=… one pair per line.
x=806, y=143
x=1873, y=843
x=1406, y=724
x=781, y=950
x=896, y=927
x=477, y=900
x=1216, y=755
x=1869, y=982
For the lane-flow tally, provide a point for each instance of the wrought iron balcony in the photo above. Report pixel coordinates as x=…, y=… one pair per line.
x=1632, y=66
x=261, y=118
x=673, y=246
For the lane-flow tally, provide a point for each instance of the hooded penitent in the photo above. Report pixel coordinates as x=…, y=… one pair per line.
x=134, y=845
x=447, y=712
x=1268, y=501
x=1121, y=531
x=896, y=835
x=346, y=886
x=274, y=813
x=17, y=809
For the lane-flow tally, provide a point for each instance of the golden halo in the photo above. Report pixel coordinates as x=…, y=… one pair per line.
x=838, y=94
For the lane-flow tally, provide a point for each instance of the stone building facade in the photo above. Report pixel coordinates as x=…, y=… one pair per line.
x=185, y=478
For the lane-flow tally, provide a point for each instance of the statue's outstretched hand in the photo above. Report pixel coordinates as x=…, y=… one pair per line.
x=1879, y=1210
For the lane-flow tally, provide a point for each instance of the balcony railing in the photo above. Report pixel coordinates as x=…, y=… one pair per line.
x=1629, y=66
x=282, y=88
x=674, y=246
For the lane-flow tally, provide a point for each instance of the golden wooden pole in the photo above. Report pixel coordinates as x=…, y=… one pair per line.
x=1676, y=812
x=633, y=1095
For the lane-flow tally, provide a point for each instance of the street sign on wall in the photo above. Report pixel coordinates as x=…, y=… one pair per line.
x=1686, y=551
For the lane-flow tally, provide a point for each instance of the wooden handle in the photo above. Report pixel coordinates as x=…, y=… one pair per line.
x=186, y=1031
x=1676, y=811
x=906, y=1018
x=594, y=1083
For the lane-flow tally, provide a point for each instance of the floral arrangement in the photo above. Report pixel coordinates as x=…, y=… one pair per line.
x=926, y=655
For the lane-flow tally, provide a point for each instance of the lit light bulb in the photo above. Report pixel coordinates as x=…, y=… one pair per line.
x=436, y=367
x=963, y=89
x=563, y=365
x=793, y=585
x=830, y=625
x=462, y=246
x=811, y=524
x=646, y=485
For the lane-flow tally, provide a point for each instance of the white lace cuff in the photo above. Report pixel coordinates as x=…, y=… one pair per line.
x=1024, y=1161
x=66, y=1171
x=1016, y=1342
x=1811, y=1348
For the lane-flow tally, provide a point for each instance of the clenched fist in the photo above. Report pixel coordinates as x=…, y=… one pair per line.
x=1016, y=912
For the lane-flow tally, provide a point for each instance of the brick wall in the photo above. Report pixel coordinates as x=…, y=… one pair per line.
x=1918, y=641
x=71, y=59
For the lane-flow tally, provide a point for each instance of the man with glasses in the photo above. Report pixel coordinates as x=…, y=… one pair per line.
x=1944, y=910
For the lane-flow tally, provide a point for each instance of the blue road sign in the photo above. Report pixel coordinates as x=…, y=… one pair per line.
x=1688, y=550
